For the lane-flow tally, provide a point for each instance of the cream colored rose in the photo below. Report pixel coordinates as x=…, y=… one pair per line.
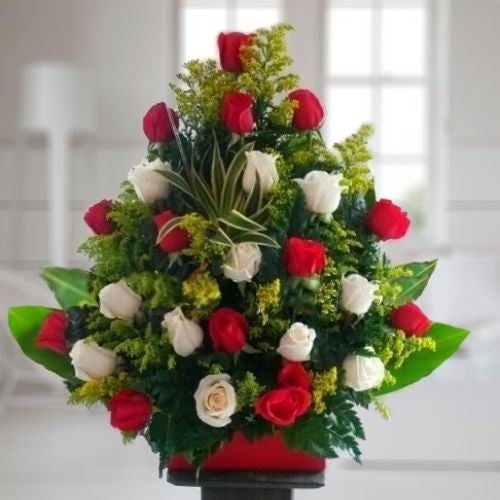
x=185, y=335
x=215, y=400
x=322, y=191
x=297, y=343
x=91, y=361
x=362, y=372
x=149, y=184
x=243, y=262
x=118, y=300
x=357, y=294
x=263, y=166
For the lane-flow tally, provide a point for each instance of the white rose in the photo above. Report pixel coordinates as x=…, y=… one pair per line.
x=185, y=335
x=297, y=343
x=362, y=372
x=322, y=191
x=118, y=300
x=243, y=262
x=263, y=166
x=91, y=361
x=149, y=184
x=357, y=294
x=215, y=400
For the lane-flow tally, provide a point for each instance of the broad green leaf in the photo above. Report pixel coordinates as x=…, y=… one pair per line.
x=218, y=170
x=423, y=363
x=203, y=195
x=68, y=285
x=167, y=227
x=239, y=221
x=179, y=182
x=25, y=323
x=413, y=286
x=221, y=238
x=257, y=239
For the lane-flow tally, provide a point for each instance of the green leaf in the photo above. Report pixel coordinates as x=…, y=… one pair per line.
x=167, y=227
x=178, y=181
x=257, y=239
x=25, y=323
x=420, y=364
x=218, y=170
x=221, y=238
x=68, y=285
x=239, y=221
x=413, y=286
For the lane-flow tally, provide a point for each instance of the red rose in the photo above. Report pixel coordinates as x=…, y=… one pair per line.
x=228, y=330
x=236, y=112
x=284, y=405
x=174, y=241
x=157, y=124
x=230, y=45
x=388, y=221
x=53, y=333
x=130, y=410
x=304, y=257
x=294, y=374
x=410, y=319
x=309, y=114
x=97, y=219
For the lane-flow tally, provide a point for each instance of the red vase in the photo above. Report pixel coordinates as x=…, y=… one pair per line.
x=268, y=453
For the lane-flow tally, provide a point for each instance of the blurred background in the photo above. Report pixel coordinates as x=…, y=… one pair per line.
x=76, y=77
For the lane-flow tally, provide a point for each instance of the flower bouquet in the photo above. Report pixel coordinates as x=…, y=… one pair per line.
x=238, y=293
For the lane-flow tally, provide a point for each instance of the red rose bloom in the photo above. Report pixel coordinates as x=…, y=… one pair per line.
x=53, y=333
x=284, y=405
x=228, y=330
x=157, y=124
x=230, y=45
x=309, y=114
x=97, y=219
x=174, y=241
x=388, y=221
x=410, y=319
x=237, y=113
x=304, y=257
x=130, y=410
x=295, y=375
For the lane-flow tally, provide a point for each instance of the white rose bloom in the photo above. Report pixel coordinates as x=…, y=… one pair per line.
x=91, y=361
x=185, y=335
x=149, y=184
x=362, y=372
x=357, y=294
x=322, y=191
x=215, y=400
x=297, y=343
x=118, y=300
x=263, y=166
x=243, y=262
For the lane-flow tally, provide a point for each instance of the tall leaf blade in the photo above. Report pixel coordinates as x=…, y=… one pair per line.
x=167, y=227
x=25, y=323
x=68, y=285
x=413, y=286
x=239, y=221
x=257, y=239
x=218, y=170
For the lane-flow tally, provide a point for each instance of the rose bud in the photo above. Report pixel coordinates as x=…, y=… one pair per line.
x=362, y=372
x=53, y=333
x=304, y=257
x=228, y=330
x=97, y=218
x=243, y=262
x=297, y=343
x=262, y=166
x=215, y=400
x=309, y=114
x=284, y=405
x=295, y=375
x=410, y=319
x=149, y=183
x=237, y=113
x=322, y=191
x=158, y=126
x=91, y=361
x=230, y=45
x=357, y=294
x=118, y=300
x=175, y=240
x=387, y=220
x=130, y=410
x=184, y=334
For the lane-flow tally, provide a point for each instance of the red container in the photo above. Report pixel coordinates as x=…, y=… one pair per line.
x=268, y=453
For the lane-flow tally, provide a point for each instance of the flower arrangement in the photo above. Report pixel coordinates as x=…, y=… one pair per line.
x=238, y=282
